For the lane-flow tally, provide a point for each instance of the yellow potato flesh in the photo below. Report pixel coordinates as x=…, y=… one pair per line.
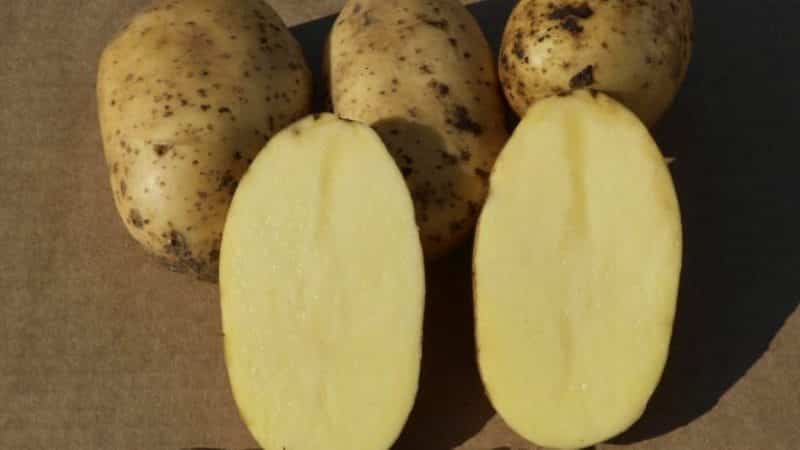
x=322, y=285
x=577, y=263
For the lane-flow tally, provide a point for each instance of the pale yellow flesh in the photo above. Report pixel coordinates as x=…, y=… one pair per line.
x=322, y=286
x=577, y=263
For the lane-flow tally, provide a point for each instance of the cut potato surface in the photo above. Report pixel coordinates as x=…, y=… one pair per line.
x=577, y=263
x=322, y=283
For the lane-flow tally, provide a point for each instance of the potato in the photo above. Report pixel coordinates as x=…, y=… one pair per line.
x=188, y=93
x=637, y=52
x=322, y=285
x=577, y=264
x=422, y=74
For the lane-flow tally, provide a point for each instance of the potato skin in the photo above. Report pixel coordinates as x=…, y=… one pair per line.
x=188, y=93
x=422, y=74
x=636, y=51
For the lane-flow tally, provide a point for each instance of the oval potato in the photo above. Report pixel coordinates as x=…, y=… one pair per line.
x=422, y=74
x=322, y=291
x=577, y=266
x=637, y=52
x=188, y=93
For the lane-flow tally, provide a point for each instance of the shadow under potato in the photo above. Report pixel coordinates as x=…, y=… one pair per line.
x=420, y=150
x=451, y=405
x=732, y=132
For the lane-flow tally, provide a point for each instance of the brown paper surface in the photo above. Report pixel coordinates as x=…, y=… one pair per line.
x=101, y=348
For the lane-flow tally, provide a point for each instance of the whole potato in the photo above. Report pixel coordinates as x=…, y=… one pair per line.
x=188, y=93
x=422, y=74
x=635, y=51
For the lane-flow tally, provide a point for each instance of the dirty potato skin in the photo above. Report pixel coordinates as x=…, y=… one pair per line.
x=188, y=93
x=637, y=51
x=422, y=74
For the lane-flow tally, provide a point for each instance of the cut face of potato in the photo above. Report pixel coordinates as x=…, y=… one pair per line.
x=322, y=283
x=577, y=264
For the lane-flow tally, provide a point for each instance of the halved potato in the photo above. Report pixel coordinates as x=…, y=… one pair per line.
x=322, y=283
x=577, y=263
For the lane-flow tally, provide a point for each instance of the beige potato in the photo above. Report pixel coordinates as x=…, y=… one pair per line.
x=188, y=93
x=322, y=291
x=637, y=52
x=422, y=74
x=577, y=266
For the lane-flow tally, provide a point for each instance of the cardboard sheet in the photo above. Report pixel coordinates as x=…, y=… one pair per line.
x=100, y=348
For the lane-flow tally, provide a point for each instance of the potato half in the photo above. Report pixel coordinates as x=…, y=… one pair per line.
x=577, y=264
x=422, y=74
x=635, y=51
x=188, y=93
x=322, y=286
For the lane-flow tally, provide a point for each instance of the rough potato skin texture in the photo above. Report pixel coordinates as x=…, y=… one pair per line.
x=422, y=74
x=637, y=51
x=188, y=93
